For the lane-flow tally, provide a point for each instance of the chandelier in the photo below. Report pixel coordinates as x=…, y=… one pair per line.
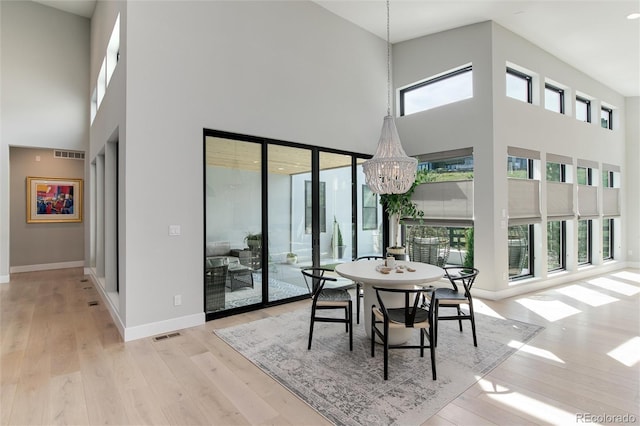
x=390, y=171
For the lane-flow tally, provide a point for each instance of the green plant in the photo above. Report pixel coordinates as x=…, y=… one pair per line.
x=339, y=241
x=291, y=254
x=468, y=257
x=253, y=236
x=402, y=206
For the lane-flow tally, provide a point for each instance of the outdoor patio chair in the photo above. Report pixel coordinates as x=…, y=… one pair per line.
x=327, y=298
x=408, y=315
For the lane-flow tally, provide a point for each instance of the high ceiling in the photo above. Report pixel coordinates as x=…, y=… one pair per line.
x=593, y=36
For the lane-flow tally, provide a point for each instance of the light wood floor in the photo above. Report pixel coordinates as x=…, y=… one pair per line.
x=63, y=362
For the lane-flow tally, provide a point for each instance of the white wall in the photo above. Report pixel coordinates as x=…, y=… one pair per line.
x=632, y=181
x=490, y=122
x=44, y=99
x=284, y=70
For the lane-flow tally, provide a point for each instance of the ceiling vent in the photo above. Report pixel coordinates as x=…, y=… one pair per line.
x=68, y=155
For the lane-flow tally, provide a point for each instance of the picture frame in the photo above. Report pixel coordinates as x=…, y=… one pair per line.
x=54, y=200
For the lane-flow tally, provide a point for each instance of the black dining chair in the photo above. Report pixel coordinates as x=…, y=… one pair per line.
x=327, y=298
x=461, y=280
x=410, y=314
x=359, y=289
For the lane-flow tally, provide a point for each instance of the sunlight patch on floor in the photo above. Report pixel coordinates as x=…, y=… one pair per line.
x=585, y=295
x=614, y=285
x=626, y=275
x=543, y=353
x=551, y=310
x=627, y=353
x=534, y=408
x=483, y=308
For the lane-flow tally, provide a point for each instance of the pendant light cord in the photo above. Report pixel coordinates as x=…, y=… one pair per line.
x=388, y=65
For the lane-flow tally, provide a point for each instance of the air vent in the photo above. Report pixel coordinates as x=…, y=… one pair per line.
x=68, y=155
x=93, y=303
x=166, y=336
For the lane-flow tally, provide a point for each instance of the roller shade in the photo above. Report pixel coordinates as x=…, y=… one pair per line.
x=560, y=159
x=451, y=201
x=587, y=201
x=611, y=201
x=523, y=153
x=588, y=164
x=524, y=201
x=610, y=168
x=560, y=204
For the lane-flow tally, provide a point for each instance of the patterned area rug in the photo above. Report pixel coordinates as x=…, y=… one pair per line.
x=348, y=387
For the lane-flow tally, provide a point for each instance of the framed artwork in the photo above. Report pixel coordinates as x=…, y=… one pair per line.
x=53, y=200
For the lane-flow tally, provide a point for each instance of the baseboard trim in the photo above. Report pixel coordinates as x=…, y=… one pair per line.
x=161, y=327
x=46, y=266
x=537, y=284
x=5, y=279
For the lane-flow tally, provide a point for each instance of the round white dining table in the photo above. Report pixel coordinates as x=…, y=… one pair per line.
x=365, y=272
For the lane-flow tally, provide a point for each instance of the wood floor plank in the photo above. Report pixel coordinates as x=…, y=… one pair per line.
x=63, y=362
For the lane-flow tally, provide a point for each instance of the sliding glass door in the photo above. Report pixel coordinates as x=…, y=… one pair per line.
x=272, y=208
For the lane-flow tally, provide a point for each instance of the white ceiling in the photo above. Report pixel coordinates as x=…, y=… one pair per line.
x=592, y=36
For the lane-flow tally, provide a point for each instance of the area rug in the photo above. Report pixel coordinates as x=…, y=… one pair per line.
x=348, y=387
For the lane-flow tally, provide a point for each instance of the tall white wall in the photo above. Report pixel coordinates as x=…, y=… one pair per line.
x=632, y=182
x=490, y=122
x=283, y=70
x=44, y=101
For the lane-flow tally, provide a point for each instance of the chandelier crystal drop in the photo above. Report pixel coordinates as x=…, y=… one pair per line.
x=390, y=171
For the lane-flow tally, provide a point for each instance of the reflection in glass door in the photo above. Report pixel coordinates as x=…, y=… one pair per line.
x=289, y=241
x=336, y=223
x=233, y=224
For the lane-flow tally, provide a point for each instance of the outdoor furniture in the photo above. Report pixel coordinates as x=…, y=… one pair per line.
x=327, y=298
x=461, y=280
x=239, y=276
x=215, y=279
x=406, y=315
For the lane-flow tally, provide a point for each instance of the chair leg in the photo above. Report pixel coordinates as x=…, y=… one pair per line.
x=473, y=323
x=432, y=349
x=358, y=286
x=386, y=350
x=313, y=314
x=350, y=326
x=434, y=335
x=459, y=315
x=373, y=334
x=347, y=311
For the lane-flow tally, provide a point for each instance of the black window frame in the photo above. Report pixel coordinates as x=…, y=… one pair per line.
x=430, y=81
x=589, y=243
x=587, y=103
x=609, y=112
x=562, y=248
x=368, y=210
x=560, y=93
x=611, y=225
x=525, y=77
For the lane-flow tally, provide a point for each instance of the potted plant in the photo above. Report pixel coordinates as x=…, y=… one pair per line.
x=254, y=241
x=292, y=258
x=400, y=206
x=337, y=241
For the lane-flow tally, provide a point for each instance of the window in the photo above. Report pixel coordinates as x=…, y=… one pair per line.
x=454, y=168
x=556, y=172
x=584, y=242
x=520, y=251
x=113, y=50
x=583, y=109
x=519, y=168
x=556, y=245
x=607, y=238
x=308, y=203
x=607, y=179
x=584, y=175
x=519, y=86
x=369, y=209
x=451, y=87
x=554, y=98
x=606, y=118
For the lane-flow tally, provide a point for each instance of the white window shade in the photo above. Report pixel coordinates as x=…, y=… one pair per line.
x=611, y=201
x=524, y=201
x=560, y=204
x=587, y=201
x=452, y=201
